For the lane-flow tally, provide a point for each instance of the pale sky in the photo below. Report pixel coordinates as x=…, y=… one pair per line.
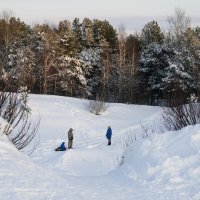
x=133, y=14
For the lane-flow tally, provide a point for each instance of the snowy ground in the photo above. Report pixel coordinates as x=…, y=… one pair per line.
x=162, y=166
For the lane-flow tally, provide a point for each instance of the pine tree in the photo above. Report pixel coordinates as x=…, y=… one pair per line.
x=98, y=37
x=192, y=43
x=164, y=72
x=76, y=27
x=151, y=33
x=108, y=33
x=72, y=75
x=87, y=33
x=45, y=46
x=11, y=30
x=21, y=61
x=67, y=39
x=92, y=57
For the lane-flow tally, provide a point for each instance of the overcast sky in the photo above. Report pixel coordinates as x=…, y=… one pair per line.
x=133, y=14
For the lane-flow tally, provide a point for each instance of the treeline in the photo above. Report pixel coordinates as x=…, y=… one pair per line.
x=91, y=59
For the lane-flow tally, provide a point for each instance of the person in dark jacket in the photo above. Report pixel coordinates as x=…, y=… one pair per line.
x=70, y=138
x=109, y=135
x=61, y=147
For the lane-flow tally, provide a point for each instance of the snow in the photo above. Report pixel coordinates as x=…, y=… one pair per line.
x=160, y=166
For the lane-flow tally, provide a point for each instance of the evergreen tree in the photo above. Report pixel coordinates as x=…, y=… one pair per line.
x=177, y=78
x=98, y=37
x=92, y=57
x=72, y=75
x=151, y=33
x=152, y=64
x=87, y=33
x=67, y=39
x=108, y=33
x=192, y=43
x=45, y=46
x=76, y=27
x=164, y=72
x=21, y=62
x=11, y=30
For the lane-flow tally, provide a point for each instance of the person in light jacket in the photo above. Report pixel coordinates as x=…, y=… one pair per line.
x=109, y=135
x=70, y=138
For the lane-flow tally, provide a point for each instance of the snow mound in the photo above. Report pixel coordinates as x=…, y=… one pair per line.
x=168, y=163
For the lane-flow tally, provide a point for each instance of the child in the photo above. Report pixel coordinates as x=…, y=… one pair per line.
x=109, y=135
x=61, y=147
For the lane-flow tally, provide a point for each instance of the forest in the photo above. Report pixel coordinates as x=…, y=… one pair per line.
x=91, y=59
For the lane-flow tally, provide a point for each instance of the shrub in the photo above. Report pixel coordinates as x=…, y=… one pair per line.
x=15, y=110
x=97, y=106
x=181, y=116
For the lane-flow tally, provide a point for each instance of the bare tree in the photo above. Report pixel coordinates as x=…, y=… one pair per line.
x=6, y=33
x=107, y=67
x=122, y=58
x=179, y=22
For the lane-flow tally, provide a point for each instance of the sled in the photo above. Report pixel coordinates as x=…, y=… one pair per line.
x=59, y=149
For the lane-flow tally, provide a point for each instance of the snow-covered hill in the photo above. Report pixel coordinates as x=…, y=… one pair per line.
x=161, y=166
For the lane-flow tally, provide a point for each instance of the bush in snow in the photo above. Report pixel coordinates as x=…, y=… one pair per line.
x=15, y=111
x=97, y=106
x=181, y=116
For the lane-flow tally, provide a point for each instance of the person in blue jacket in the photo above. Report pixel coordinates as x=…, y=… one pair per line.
x=61, y=147
x=109, y=135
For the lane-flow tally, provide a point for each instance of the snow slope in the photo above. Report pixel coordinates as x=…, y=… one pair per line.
x=161, y=166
